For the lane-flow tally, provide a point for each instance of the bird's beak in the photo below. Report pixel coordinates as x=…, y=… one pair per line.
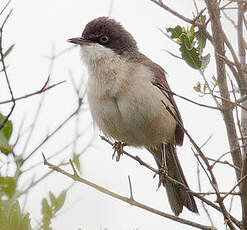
x=79, y=41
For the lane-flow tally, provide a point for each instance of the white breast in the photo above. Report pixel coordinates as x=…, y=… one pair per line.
x=124, y=103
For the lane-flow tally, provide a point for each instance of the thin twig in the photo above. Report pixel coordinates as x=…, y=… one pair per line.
x=186, y=99
x=223, y=162
x=138, y=159
x=200, y=189
x=237, y=114
x=212, y=178
x=222, y=193
x=40, y=91
x=6, y=5
x=233, y=103
x=210, y=90
x=188, y=20
x=220, y=39
x=5, y=72
x=125, y=199
x=52, y=133
x=237, y=184
x=224, y=6
x=130, y=187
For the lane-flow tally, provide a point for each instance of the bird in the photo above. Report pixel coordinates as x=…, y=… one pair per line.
x=130, y=101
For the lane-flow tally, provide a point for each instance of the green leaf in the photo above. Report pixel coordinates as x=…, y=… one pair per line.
x=25, y=223
x=176, y=32
x=8, y=127
x=3, y=217
x=8, y=186
x=205, y=62
x=190, y=55
x=191, y=33
x=186, y=41
x=46, y=209
x=60, y=200
x=8, y=51
x=14, y=216
x=11, y=217
x=191, y=44
x=52, y=199
x=47, y=214
x=201, y=40
x=5, y=134
x=6, y=148
x=76, y=161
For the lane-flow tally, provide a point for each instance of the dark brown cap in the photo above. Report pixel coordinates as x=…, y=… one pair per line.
x=108, y=33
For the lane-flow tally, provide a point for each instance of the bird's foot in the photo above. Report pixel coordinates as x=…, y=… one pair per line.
x=163, y=172
x=118, y=150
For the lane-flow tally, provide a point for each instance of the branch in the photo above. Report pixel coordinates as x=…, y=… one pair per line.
x=200, y=189
x=219, y=40
x=5, y=71
x=125, y=199
x=213, y=193
x=138, y=159
x=5, y=7
x=212, y=178
x=188, y=20
x=40, y=91
x=238, y=183
x=243, y=91
x=234, y=104
x=52, y=133
x=223, y=162
x=170, y=10
x=186, y=99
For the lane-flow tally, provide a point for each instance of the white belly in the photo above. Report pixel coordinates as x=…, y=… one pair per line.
x=130, y=110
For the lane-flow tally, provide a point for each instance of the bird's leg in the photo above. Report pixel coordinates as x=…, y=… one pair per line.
x=163, y=172
x=118, y=149
x=162, y=176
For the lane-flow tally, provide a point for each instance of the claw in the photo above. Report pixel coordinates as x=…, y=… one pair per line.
x=162, y=176
x=118, y=149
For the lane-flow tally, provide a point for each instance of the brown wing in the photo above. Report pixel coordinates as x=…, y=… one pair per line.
x=161, y=82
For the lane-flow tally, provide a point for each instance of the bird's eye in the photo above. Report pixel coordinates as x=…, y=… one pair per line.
x=104, y=39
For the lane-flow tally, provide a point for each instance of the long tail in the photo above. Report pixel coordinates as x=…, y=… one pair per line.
x=177, y=196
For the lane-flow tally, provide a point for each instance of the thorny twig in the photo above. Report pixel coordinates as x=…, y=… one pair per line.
x=130, y=200
x=141, y=162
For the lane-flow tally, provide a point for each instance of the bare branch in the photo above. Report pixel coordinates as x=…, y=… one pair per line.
x=52, y=133
x=130, y=187
x=243, y=91
x=212, y=178
x=170, y=10
x=188, y=20
x=40, y=91
x=213, y=193
x=200, y=189
x=223, y=162
x=219, y=40
x=138, y=159
x=5, y=71
x=238, y=183
x=6, y=5
x=186, y=99
x=126, y=199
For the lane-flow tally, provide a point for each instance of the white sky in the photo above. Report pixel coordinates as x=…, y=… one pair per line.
x=35, y=27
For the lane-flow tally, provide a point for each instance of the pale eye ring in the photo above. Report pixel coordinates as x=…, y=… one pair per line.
x=104, y=39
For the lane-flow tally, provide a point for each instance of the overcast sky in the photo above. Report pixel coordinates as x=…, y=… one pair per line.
x=37, y=28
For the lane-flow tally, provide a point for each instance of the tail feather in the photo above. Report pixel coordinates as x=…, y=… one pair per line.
x=177, y=195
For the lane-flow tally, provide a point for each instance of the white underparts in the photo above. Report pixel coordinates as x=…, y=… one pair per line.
x=123, y=101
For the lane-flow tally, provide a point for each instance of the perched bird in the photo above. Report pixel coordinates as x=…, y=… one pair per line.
x=129, y=100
